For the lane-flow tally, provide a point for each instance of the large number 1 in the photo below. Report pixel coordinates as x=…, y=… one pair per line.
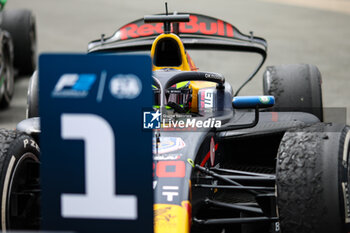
x=100, y=200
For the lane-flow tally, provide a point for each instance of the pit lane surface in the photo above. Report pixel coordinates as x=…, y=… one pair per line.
x=296, y=33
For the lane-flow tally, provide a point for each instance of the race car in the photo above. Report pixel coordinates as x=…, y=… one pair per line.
x=235, y=163
x=18, y=49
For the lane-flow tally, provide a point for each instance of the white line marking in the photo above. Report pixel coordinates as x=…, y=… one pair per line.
x=101, y=86
x=4, y=192
x=170, y=187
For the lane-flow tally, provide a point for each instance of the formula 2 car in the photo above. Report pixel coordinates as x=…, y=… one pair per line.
x=223, y=162
x=18, y=49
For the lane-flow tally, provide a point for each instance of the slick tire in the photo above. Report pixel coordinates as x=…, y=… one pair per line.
x=19, y=181
x=312, y=179
x=7, y=78
x=22, y=27
x=295, y=88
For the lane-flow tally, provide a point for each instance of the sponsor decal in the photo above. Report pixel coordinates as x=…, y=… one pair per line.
x=125, y=86
x=197, y=25
x=171, y=218
x=264, y=99
x=170, y=192
x=215, y=27
x=206, y=99
x=167, y=145
x=151, y=120
x=167, y=156
x=212, y=76
x=121, y=86
x=165, y=218
x=164, y=214
x=74, y=85
x=32, y=143
x=171, y=169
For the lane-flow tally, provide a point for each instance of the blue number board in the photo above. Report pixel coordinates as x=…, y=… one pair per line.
x=96, y=162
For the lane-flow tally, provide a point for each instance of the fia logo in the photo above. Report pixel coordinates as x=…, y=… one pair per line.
x=125, y=86
x=151, y=120
x=74, y=85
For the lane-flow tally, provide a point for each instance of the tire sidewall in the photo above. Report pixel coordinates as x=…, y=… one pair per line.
x=344, y=173
x=296, y=87
x=20, y=147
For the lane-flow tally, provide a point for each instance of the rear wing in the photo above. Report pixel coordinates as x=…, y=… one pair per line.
x=201, y=32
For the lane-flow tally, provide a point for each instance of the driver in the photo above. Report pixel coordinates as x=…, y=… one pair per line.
x=178, y=97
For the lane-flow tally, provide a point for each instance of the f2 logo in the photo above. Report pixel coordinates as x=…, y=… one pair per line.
x=74, y=85
x=100, y=200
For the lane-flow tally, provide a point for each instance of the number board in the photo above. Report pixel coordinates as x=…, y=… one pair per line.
x=96, y=163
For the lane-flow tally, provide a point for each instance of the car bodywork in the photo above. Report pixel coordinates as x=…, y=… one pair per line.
x=206, y=179
x=218, y=177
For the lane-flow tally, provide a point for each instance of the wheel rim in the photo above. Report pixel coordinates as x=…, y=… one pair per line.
x=2, y=77
x=6, y=81
x=9, y=82
x=23, y=208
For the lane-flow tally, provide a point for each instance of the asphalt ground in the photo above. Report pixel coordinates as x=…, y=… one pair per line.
x=316, y=32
